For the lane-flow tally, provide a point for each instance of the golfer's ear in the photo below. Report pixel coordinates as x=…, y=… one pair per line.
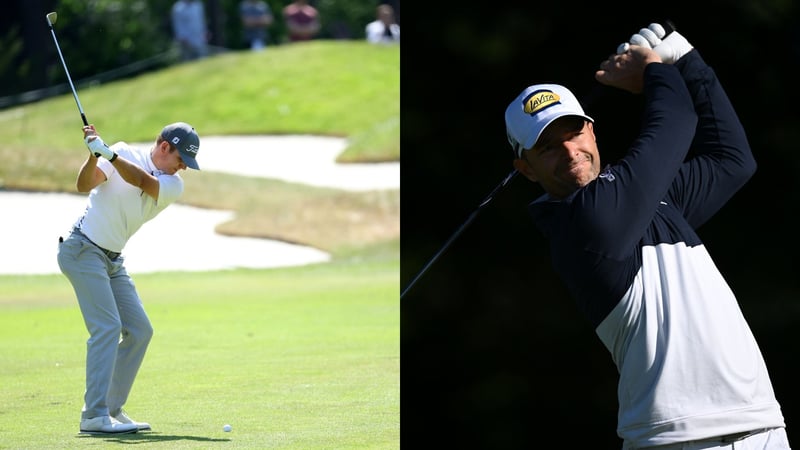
x=525, y=169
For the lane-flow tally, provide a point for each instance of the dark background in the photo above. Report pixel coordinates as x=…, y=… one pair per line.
x=494, y=353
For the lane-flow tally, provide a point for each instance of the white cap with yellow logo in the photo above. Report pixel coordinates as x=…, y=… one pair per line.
x=536, y=108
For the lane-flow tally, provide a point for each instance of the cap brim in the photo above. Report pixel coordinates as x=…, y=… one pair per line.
x=550, y=122
x=190, y=162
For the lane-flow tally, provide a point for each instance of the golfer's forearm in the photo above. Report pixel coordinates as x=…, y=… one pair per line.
x=131, y=173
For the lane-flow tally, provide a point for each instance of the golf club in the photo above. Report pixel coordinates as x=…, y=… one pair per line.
x=51, y=20
x=463, y=226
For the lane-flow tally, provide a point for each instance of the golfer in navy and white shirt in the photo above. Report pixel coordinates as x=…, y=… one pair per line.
x=623, y=239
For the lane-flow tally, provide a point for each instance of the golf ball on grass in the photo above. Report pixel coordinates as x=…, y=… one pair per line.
x=226, y=428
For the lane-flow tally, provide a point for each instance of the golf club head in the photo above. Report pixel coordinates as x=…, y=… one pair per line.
x=51, y=18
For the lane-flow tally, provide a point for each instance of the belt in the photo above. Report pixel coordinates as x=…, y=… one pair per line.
x=111, y=255
x=724, y=439
x=739, y=436
x=734, y=437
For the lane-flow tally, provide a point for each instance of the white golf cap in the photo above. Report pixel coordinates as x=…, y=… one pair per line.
x=536, y=108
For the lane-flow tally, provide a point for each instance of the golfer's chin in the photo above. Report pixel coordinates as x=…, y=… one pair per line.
x=579, y=180
x=567, y=186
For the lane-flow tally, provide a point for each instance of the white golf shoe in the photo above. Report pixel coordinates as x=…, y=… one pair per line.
x=106, y=425
x=123, y=418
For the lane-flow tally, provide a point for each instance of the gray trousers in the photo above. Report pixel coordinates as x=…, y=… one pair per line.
x=119, y=329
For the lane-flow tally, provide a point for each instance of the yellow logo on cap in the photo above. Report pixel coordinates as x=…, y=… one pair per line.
x=540, y=100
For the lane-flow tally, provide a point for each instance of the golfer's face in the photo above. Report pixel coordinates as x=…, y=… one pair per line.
x=169, y=159
x=565, y=157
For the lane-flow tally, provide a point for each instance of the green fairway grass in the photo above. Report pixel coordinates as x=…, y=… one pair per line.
x=294, y=358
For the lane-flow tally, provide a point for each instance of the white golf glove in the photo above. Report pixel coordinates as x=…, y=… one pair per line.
x=669, y=44
x=98, y=147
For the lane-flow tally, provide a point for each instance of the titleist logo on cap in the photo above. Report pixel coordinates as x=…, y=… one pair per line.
x=540, y=100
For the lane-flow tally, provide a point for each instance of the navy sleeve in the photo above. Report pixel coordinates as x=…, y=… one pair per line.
x=720, y=161
x=615, y=211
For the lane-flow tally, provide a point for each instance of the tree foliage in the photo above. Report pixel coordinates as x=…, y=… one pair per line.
x=102, y=36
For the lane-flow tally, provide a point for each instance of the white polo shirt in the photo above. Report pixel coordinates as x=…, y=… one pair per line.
x=116, y=209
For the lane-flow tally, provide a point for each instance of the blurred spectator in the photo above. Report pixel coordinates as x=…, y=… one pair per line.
x=189, y=28
x=302, y=21
x=256, y=16
x=385, y=28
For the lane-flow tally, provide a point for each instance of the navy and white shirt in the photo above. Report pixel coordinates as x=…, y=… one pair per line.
x=626, y=247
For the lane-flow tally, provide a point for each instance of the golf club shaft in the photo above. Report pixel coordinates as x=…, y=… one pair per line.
x=72, y=86
x=463, y=226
